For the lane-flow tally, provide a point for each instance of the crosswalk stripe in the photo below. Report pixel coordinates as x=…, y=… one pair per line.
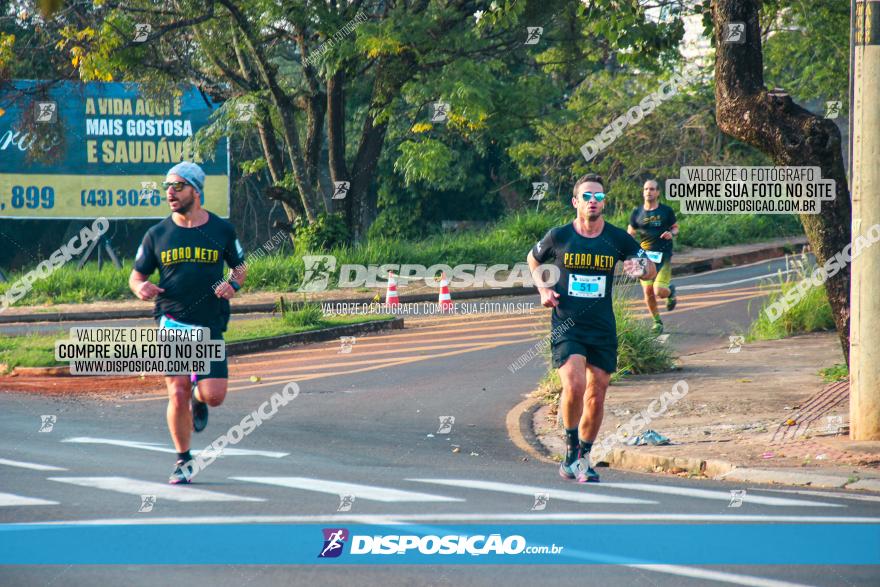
x=717, y=576
x=368, y=492
x=555, y=494
x=565, y=517
x=10, y=499
x=826, y=494
x=160, y=490
x=718, y=495
x=32, y=466
x=156, y=447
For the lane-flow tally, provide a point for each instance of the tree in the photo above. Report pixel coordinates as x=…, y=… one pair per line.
x=789, y=134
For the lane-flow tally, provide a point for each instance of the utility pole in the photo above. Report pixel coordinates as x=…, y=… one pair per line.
x=864, y=404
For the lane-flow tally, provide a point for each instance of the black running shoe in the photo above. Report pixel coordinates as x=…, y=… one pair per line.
x=200, y=413
x=671, y=301
x=177, y=475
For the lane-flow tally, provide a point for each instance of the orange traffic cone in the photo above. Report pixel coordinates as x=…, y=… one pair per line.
x=445, y=300
x=391, y=298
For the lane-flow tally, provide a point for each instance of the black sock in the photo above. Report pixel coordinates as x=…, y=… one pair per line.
x=571, y=436
x=584, y=447
x=184, y=456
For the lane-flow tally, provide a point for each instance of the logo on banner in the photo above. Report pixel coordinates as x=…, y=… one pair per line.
x=334, y=540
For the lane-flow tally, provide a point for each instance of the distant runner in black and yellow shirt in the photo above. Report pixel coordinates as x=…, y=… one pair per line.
x=584, y=332
x=654, y=225
x=190, y=249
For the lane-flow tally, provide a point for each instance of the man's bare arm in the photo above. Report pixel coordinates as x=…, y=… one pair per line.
x=549, y=297
x=142, y=287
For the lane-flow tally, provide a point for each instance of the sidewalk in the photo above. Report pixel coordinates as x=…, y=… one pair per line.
x=689, y=261
x=724, y=427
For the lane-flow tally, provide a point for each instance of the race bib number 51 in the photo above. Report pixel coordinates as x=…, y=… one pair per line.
x=586, y=286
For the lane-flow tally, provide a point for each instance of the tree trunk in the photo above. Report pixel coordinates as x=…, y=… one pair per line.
x=315, y=107
x=283, y=103
x=790, y=135
x=274, y=159
x=336, y=142
x=391, y=74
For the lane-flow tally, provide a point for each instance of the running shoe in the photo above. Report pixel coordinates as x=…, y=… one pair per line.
x=177, y=475
x=658, y=326
x=584, y=472
x=200, y=413
x=565, y=471
x=671, y=301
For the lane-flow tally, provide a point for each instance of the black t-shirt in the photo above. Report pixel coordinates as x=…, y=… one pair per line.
x=649, y=225
x=190, y=263
x=586, y=267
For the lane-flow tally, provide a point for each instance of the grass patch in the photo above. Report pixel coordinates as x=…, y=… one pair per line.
x=507, y=241
x=30, y=350
x=638, y=351
x=292, y=323
x=811, y=314
x=839, y=372
x=709, y=231
x=39, y=350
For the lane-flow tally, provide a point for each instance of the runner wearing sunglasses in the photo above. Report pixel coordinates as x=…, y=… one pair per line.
x=584, y=333
x=189, y=248
x=654, y=223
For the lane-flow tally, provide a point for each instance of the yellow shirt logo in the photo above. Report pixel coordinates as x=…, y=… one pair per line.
x=588, y=261
x=188, y=255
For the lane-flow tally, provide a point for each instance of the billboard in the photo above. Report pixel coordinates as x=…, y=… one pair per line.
x=72, y=150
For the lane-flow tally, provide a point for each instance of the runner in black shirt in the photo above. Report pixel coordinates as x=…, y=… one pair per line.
x=655, y=224
x=584, y=335
x=189, y=248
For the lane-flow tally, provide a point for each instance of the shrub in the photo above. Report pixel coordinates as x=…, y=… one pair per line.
x=811, y=314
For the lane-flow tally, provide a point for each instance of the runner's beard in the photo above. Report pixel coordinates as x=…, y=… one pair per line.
x=185, y=208
x=594, y=216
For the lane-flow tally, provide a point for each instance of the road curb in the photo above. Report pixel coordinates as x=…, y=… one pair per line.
x=522, y=433
x=628, y=459
x=252, y=346
x=691, y=267
x=631, y=460
x=745, y=258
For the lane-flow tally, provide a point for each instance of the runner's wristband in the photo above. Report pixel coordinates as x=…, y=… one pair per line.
x=234, y=284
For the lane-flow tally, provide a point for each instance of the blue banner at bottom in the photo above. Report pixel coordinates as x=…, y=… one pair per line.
x=287, y=544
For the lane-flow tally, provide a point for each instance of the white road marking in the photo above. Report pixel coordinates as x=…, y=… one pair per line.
x=162, y=491
x=32, y=466
x=732, y=268
x=719, y=495
x=157, y=447
x=358, y=491
x=710, y=575
x=564, y=495
x=718, y=285
x=10, y=499
x=834, y=494
x=404, y=519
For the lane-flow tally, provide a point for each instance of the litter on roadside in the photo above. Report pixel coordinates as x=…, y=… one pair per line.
x=648, y=437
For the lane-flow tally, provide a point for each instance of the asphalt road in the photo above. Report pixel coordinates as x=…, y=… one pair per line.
x=366, y=423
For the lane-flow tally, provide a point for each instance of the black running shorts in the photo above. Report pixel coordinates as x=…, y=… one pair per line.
x=602, y=356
